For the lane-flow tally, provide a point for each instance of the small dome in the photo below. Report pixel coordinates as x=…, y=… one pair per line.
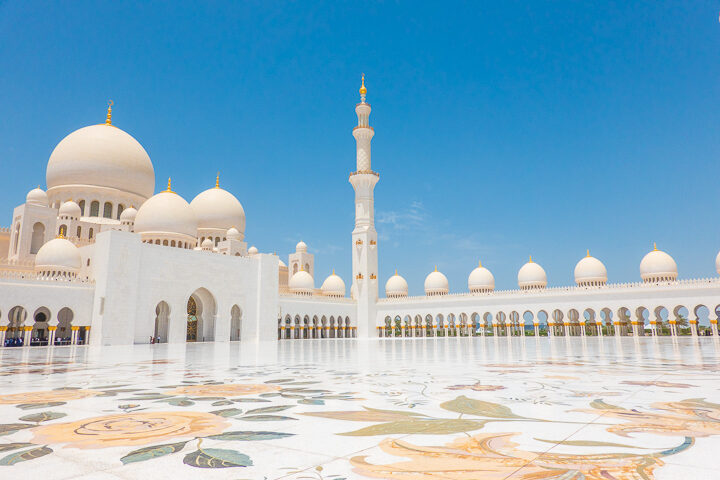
x=532, y=275
x=233, y=234
x=252, y=250
x=218, y=208
x=590, y=272
x=301, y=247
x=166, y=212
x=58, y=256
x=102, y=156
x=37, y=196
x=333, y=286
x=481, y=280
x=207, y=244
x=658, y=266
x=436, y=284
x=396, y=287
x=717, y=263
x=69, y=209
x=281, y=263
x=302, y=283
x=128, y=215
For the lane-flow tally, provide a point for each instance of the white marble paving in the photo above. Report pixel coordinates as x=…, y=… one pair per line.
x=426, y=408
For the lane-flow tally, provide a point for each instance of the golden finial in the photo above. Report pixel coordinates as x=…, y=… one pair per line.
x=654, y=247
x=530, y=261
x=396, y=272
x=60, y=234
x=479, y=263
x=217, y=180
x=333, y=271
x=108, y=120
x=363, y=90
x=588, y=252
x=169, y=189
x=436, y=268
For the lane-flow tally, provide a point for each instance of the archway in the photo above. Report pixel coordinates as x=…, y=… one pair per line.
x=64, y=329
x=38, y=237
x=16, y=327
x=201, y=311
x=236, y=323
x=162, y=316
x=40, y=330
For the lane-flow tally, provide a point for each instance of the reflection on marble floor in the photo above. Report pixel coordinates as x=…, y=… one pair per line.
x=427, y=408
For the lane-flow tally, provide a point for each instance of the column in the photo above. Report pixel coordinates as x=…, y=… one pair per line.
x=567, y=329
x=26, y=336
x=694, y=327
x=87, y=335
x=616, y=326
x=51, y=335
x=3, y=333
x=673, y=332
x=713, y=327
x=74, y=336
x=536, y=327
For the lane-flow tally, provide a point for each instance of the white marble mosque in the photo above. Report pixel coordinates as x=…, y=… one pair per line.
x=99, y=258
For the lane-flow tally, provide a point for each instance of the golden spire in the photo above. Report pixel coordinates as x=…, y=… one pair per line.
x=436, y=268
x=396, y=272
x=333, y=271
x=654, y=247
x=169, y=189
x=217, y=180
x=588, y=252
x=530, y=261
x=363, y=90
x=479, y=264
x=108, y=120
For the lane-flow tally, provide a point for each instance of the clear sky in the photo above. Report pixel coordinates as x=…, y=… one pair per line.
x=502, y=129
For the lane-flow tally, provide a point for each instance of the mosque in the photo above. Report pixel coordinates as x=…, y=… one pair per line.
x=99, y=258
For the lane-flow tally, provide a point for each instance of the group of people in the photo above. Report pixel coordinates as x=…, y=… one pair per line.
x=154, y=339
x=19, y=342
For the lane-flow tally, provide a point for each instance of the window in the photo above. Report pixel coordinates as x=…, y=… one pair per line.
x=107, y=210
x=79, y=232
x=94, y=209
x=121, y=207
x=90, y=233
x=38, y=238
x=82, y=208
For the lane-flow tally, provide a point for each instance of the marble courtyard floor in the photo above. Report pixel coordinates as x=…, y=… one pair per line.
x=406, y=409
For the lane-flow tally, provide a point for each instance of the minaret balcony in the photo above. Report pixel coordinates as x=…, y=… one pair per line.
x=365, y=172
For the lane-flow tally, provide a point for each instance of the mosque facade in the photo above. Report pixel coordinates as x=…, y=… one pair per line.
x=99, y=258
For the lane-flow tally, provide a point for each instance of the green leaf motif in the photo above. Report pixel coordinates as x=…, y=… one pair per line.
x=216, y=458
x=42, y=417
x=155, y=451
x=601, y=405
x=251, y=400
x=227, y=412
x=435, y=426
x=266, y=418
x=180, y=402
x=586, y=443
x=32, y=406
x=221, y=403
x=277, y=408
x=311, y=401
x=248, y=436
x=8, y=428
x=463, y=404
x=6, y=447
x=269, y=394
x=25, y=455
x=281, y=380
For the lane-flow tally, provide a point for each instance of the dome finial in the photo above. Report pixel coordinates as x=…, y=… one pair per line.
x=169, y=188
x=333, y=271
x=108, y=119
x=396, y=272
x=363, y=90
x=530, y=261
x=479, y=263
x=588, y=252
x=60, y=234
x=217, y=180
x=654, y=247
x=436, y=268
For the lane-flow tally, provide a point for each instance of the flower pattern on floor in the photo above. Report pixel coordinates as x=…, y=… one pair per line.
x=403, y=411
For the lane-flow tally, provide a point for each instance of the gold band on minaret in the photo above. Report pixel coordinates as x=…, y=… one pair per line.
x=108, y=119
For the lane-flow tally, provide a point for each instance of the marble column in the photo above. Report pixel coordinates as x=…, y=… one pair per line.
x=26, y=336
x=3, y=333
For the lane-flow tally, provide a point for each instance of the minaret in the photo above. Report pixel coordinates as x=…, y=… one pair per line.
x=364, y=237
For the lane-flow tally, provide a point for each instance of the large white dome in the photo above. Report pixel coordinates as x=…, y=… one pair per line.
x=218, y=208
x=531, y=275
x=436, y=284
x=166, y=213
x=58, y=256
x=590, y=272
x=658, y=266
x=333, y=286
x=103, y=156
x=69, y=209
x=481, y=280
x=302, y=283
x=396, y=286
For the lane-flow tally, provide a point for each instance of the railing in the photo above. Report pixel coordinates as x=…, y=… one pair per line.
x=39, y=277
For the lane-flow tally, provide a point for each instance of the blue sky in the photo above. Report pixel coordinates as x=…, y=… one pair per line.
x=502, y=129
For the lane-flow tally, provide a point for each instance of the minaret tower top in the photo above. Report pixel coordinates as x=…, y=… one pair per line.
x=363, y=132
